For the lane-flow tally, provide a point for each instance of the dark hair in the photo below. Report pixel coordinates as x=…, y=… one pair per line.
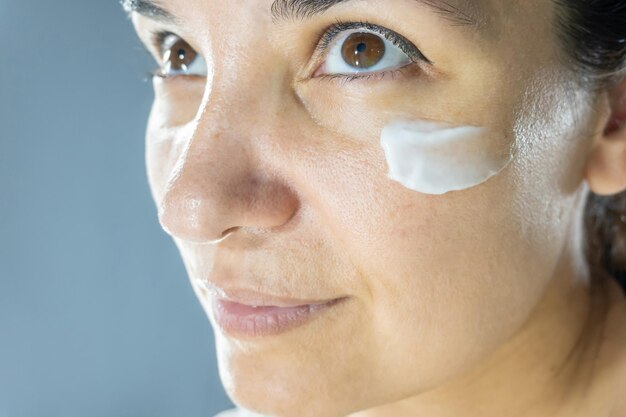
x=594, y=35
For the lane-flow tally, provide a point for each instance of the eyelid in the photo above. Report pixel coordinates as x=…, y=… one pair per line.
x=403, y=72
x=158, y=38
x=405, y=45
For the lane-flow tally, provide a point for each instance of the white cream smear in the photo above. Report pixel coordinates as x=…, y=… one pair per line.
x=435, y=158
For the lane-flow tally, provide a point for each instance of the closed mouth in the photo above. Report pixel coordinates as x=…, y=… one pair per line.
x=247, y=320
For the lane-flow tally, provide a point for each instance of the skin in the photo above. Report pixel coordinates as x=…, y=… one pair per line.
x=476, y=302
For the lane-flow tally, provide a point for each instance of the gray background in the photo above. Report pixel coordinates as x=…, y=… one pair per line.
x=97, y=317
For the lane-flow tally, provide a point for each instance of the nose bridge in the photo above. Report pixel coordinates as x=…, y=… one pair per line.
x=219, y=184
x=248, y=73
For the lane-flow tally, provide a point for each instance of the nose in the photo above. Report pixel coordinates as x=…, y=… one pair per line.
x=220, y=184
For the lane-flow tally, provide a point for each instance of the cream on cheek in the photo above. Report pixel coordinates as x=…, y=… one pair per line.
x=436, y=158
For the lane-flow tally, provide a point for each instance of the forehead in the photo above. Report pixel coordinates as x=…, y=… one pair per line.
x=479, y=14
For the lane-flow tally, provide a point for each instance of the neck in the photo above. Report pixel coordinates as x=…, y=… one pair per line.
x=552, y=367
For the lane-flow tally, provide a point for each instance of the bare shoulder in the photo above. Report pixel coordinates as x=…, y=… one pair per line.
x=237, y=412
x=615, y=346
x=227, y=413
x=620, y=408
x=233, y=412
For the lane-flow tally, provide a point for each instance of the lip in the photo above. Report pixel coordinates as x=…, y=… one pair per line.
x=255, y=298
x=239, y=319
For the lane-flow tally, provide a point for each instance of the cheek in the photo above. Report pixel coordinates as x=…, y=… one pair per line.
x=164, y=148
x=448, y=277
x=454, y=276
x=175, y=106
x=461, y=285
x=176, y=100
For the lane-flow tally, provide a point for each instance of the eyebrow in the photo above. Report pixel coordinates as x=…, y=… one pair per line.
x=148, y=8
x=458, y=12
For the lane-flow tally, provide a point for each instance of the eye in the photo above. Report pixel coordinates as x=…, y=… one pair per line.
x=179, y=58
x=365, y=48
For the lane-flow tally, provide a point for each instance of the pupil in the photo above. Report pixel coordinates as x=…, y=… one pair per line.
x=361, y=47
x=182, y=56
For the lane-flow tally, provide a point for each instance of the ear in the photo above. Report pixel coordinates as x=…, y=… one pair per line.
x=606, y=165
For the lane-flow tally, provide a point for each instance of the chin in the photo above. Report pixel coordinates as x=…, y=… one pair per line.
x=273, y=383
x=324, y=368
x=278, y=398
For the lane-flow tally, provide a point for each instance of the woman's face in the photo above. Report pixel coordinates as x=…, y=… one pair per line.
x=263, y=133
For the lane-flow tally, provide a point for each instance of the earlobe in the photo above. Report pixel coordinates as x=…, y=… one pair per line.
x=606, y=164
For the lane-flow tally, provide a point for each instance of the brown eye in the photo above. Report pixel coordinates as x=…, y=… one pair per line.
x=363, y=50
x=357, y=49
x=179, y=57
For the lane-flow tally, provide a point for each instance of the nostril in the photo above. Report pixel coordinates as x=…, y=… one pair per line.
x=225, y=234
x=229, y=231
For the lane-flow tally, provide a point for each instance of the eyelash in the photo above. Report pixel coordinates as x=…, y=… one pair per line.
x=328, y=35
x=325, y=39
x=157, y=40
x=374, y=76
